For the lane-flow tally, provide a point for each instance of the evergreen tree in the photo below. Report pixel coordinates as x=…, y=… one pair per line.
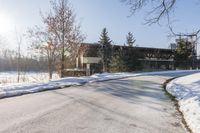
x=131, y=59
x=130, y=40
x=183, y=54
x=105, y=50
x=118, y=63
x=126, y=59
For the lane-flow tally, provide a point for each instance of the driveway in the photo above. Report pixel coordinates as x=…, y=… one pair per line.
x=132, y=105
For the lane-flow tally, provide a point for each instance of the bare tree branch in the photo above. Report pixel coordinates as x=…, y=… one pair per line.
x=160, y=9
x=61, y=31
x=195, y=33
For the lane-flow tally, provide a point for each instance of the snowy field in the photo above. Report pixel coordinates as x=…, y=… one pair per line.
x=28, y=77
x=187, y=91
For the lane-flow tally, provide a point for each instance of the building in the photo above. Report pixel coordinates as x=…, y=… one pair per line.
x=151, y=58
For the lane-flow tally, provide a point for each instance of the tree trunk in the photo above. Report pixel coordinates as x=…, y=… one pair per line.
x=50, y=69
x=62, y=65
x=63, y=44
x=62, y=56
x=50, y=74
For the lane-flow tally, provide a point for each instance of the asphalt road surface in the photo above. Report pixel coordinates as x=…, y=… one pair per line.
x=132, y=105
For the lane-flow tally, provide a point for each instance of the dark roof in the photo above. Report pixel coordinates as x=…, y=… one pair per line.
x=95, y=45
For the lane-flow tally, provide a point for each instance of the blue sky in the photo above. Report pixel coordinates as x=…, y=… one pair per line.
x=94, y=15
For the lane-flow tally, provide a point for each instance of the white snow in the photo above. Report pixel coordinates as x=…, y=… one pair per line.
x=7, y=90
x=25, y=88
x=11, y=77
x=187, y=91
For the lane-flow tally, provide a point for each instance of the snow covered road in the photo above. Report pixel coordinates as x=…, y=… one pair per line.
x=132, y=105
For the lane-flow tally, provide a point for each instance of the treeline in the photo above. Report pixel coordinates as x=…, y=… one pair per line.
x=58, y=44
x=10, y=61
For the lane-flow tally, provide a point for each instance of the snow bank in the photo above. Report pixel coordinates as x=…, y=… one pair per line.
x=25, y=88
x=9, y=90
x=187, y=91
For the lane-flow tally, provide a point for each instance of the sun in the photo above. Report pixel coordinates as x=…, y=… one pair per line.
x=5, y=23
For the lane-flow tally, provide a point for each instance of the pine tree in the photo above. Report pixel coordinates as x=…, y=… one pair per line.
x=130, y=40
x=105, y=50
x=132, y=59
x=118, y=63
x=183, y=54
x=104, y=39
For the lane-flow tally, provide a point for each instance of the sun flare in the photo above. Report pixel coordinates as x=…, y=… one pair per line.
x=5, y=23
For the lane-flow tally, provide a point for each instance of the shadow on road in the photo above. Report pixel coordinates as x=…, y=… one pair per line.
x=131, y=91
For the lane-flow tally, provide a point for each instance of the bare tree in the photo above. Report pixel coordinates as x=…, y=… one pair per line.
x=159, y=8
x=45, y=43
x=60, y=38
x=61, y=23
x=19, y=43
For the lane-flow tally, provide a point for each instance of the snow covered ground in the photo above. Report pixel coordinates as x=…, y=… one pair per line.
x=187, y=91
x=7, y=90
x=11, y=77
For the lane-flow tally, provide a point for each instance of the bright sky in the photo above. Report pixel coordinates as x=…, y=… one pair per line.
x=94, y=15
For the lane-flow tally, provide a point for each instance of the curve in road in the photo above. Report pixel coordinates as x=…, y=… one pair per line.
x=132, y=105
